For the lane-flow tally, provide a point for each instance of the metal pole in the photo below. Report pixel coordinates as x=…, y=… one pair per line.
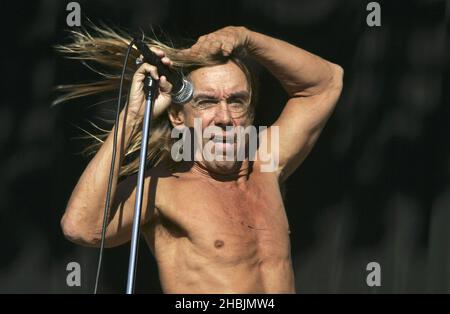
x=150, y=87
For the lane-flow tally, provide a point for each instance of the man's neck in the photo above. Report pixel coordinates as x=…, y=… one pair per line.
x=238, y=175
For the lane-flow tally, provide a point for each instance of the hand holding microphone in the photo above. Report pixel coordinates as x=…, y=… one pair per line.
x=173, y=87
x=136, y=104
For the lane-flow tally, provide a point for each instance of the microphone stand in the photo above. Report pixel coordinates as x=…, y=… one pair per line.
x=150, y=88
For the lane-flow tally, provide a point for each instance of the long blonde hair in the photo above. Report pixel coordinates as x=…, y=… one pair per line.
x=106, y=47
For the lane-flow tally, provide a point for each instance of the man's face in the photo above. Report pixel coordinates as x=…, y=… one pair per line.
x=221, y=99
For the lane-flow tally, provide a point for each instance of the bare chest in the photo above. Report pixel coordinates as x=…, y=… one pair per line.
x=230, y=224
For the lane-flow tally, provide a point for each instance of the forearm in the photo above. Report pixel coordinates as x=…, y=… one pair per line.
x=301, y=73
x=84, y=214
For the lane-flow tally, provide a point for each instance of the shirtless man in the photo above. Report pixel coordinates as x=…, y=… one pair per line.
x=214, y=226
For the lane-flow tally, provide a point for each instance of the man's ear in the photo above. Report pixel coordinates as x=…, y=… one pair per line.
x=176, y=115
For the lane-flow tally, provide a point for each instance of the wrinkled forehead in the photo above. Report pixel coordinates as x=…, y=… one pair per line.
x=219, y=80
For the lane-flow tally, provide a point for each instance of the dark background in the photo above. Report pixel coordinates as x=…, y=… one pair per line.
x=375, y=188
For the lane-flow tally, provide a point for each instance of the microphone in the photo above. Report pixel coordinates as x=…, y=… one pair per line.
x=182, y=89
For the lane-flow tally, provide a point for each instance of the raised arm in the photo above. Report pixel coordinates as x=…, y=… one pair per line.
x=83, y=219
x=312, y=83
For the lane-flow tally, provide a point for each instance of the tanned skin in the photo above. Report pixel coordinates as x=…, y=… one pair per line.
x=218, y=226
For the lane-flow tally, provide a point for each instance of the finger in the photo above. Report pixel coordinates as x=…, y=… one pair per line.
x=158, y=52
x=164, y=85
x=227, y=49
x=144, y=69
x=166, y=61
x=204, y=48
x=215, y=47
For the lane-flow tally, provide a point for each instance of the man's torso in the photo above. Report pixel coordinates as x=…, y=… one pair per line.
x=219, y=237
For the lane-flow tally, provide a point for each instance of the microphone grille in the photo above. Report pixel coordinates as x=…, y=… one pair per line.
x=184, y=94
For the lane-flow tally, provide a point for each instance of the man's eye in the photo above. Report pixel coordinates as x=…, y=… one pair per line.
x=239, y=107
x=237, y=104
x=236, y=101
x=202, y=104
x=205, y=102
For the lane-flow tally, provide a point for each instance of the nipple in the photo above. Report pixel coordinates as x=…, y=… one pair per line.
x=219, y=243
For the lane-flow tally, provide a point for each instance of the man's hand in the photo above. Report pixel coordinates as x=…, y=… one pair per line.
x=221, y=42
x=136, y=103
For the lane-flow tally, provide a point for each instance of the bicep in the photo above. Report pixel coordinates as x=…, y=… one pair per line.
x=122, y=211
x=300, y=125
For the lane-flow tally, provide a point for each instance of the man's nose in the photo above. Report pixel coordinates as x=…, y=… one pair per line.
x=223, y=115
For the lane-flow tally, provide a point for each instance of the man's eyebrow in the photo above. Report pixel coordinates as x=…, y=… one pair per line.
x=239, y=94
x=204, y=96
